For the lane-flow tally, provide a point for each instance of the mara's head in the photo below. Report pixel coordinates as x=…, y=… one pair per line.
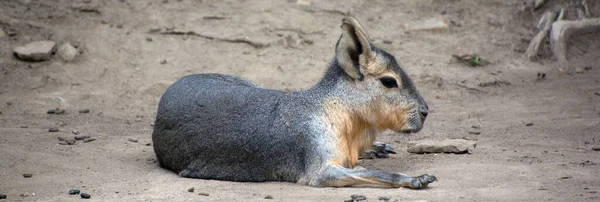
x=379, y=90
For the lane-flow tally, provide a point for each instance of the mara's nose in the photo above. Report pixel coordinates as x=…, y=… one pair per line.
x=424, y=113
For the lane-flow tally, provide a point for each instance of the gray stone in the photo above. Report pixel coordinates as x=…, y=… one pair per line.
x=457, y=146
x=67, y=52
x=35, y=51
x=85, y=195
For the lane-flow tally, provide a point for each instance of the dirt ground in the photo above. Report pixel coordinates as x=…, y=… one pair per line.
x=535, y=143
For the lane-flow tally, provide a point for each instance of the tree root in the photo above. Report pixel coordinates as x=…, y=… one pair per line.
x=544, y=25
x=561, y=32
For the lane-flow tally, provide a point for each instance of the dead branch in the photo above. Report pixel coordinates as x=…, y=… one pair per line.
x=586, y=10
x=471, y=88
x=538, y=3
x=245, y=40
x=561, y=14
x=544, y=25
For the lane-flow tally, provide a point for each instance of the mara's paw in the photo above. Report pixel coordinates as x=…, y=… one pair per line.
x=379, y=150
x=422, y=181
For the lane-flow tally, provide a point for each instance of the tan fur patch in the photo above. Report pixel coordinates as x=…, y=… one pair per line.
x=353, y=132
x=391, y=117
x=350, y=133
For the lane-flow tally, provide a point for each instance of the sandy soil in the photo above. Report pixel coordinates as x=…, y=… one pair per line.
x=124, y=67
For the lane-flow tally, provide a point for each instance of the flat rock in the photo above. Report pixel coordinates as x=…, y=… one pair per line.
x=67, y=52
x=35, y=51
x=457, y=146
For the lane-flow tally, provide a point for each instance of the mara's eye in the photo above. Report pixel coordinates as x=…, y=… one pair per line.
x=388, y=82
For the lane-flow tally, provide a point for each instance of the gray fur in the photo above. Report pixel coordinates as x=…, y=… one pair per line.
x=213, y=126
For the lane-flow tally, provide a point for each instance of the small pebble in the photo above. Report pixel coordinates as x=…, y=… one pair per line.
x=2, y=196
x=74, y=191
x=475, y=132
x=53, y=129
x=76, y=132
x=27, y=175
x=51, y=111
x=162, y=62
x=203, y=194
x=89, y=140
x=191, y=189
x=148, y=144
x=70, y=142
x=357, y=197
x=81, y=137
x=529, y=124
x=132, y=140
x=268, y=197
x=24, y=126
x=384, y=198
x=62, y=143
x=62, y=124
x=596, y=148
x=62, y=139
x=67, y=52
x=387, y=41
x=148, y=39
x=86, y=195
x=84, y=111
x=59, y=111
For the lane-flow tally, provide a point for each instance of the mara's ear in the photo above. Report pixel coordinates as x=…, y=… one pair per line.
x=353, y=48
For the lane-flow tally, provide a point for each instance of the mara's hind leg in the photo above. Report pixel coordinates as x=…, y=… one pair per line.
x=337, y=176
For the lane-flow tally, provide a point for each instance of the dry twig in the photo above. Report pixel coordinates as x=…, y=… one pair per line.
x=254, y=44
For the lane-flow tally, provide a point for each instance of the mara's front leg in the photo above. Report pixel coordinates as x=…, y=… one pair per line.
x=338, y=176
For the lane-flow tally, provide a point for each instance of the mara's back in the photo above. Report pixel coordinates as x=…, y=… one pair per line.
x=213, y=126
